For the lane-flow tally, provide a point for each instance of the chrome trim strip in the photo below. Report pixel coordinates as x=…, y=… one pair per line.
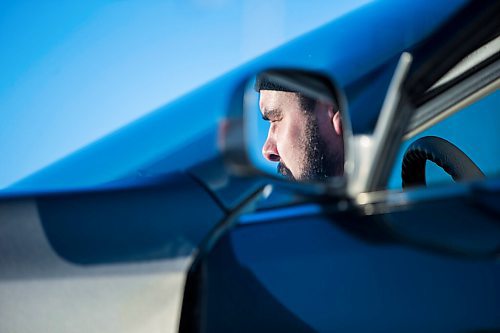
x=456, y=98
x=372, y=153
x=475, y=58
x=281, y=214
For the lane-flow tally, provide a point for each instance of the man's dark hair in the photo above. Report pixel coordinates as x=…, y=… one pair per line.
x=291, y=81
x=307, y=103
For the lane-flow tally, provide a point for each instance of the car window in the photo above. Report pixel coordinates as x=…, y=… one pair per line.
x=474, y=129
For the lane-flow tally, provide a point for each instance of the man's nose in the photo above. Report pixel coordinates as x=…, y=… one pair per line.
x=270, y=151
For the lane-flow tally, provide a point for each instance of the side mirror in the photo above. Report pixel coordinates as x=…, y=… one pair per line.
x=292, y=127
x=306, y=135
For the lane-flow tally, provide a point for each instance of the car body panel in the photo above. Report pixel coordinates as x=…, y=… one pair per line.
x=40, y=291
x=104, y=238
x=340, y=49
x=324, y=271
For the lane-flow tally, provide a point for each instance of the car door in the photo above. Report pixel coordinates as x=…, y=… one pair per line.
x=112, y=260
x=422, y=259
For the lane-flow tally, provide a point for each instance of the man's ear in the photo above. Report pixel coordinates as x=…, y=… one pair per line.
x=336, y=121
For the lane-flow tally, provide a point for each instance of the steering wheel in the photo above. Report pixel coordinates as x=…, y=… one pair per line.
x=445, y=154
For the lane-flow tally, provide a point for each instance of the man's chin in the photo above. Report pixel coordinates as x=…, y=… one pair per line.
x=310, y=174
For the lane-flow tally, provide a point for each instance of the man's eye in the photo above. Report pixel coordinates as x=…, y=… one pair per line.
x=270, y=120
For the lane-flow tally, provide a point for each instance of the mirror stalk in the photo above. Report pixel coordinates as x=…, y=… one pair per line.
x=372, y=155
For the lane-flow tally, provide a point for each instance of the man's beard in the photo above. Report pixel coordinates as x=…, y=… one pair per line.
x=318, y=163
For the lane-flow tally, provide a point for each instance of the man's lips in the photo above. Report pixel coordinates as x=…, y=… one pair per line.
x=283, y=170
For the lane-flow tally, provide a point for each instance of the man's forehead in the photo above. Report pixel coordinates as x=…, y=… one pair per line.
x=274, y=98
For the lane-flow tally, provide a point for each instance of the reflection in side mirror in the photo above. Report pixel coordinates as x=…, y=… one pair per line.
x=294, y=126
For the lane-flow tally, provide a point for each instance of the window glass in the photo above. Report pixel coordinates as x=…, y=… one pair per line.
x=474, y=129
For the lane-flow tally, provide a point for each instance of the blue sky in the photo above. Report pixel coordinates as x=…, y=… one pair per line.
x=74, y=71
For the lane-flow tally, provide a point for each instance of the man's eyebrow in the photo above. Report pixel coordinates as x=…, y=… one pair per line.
x=271, y=114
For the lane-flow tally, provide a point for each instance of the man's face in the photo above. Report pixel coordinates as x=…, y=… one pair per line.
x=303, y=142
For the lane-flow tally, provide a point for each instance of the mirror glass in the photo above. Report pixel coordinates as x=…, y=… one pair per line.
x=294, y=126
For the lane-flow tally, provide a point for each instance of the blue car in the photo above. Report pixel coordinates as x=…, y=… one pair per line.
x=134, y=233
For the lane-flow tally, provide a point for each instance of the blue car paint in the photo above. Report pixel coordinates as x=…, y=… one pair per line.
x=134, y=225
x=336, y=278
x=346, y=49
x=336, y=282
x=311, y=269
